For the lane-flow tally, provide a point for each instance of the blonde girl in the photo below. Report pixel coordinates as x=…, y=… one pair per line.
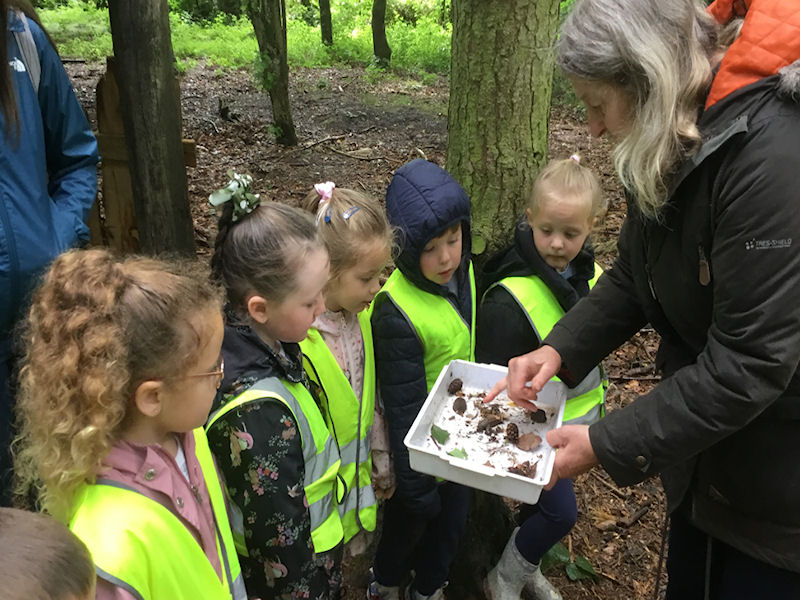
x=531, y=285
x=338, y=350
x=266, y=429
x=122, y=361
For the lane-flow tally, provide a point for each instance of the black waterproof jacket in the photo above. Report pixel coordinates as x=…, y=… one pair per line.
x=719, y=279
x=422, y=201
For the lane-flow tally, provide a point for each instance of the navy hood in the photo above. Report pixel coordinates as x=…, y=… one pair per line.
x=422, y=201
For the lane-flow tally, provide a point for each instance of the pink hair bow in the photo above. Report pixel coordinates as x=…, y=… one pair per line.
x=325, y=190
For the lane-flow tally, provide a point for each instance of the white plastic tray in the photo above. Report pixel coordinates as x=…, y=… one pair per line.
x=430, y=457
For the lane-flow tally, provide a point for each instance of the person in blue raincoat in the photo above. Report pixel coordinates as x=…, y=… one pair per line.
x=48, y=180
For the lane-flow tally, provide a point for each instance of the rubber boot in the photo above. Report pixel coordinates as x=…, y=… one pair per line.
x=513, y=573
x=540, y=588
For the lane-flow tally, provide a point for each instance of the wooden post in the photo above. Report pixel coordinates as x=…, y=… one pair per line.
x=117, y=226
x=151, y=117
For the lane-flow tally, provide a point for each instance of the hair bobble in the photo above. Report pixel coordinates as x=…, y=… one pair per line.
x=325, y=191
x=576, y=158
x=237, y=191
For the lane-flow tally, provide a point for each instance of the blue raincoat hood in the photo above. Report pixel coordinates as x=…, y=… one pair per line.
x=422, y=201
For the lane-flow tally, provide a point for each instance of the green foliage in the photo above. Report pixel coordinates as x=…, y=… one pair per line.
x=79, y=29
x=419, y=46
x=201, y=11
x=558, y=555
x=425, y=46
x=564, y=95
x=564, y=7
x=209, y=30
x=227, y=42
x=263, y=71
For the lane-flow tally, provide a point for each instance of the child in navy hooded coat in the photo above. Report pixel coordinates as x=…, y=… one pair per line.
x=423, y=317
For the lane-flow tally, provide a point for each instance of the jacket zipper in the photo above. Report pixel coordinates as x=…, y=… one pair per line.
x=13, y=257
x=704, y=269
x=650, y=282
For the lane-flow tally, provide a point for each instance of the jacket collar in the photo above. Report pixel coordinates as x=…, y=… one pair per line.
x=249, y=359
x=523, y=260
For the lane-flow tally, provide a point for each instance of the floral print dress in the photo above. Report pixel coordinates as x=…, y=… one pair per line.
x=259, y=451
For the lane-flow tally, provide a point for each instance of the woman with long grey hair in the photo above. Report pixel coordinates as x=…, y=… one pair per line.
x=707, y=146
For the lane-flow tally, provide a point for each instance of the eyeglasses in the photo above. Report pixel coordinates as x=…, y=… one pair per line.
x=219, y=373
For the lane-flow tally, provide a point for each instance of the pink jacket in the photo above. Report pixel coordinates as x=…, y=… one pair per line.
x=153, y=471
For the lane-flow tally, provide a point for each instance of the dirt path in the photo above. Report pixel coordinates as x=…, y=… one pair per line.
x=357, y=131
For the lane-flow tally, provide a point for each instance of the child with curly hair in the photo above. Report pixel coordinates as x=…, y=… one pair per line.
x=121, y=365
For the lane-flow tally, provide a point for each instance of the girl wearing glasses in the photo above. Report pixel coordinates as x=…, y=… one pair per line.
x=122, y=363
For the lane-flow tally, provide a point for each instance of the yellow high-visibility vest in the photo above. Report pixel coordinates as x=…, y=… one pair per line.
x=443, y=332
x=142, y=547
x=585, y=401
x=320, y=455
x=349, y=421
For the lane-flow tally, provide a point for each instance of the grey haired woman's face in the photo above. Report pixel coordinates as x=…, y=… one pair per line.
x=609, y=109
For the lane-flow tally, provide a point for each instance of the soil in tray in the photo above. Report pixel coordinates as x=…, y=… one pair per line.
x=499, y=435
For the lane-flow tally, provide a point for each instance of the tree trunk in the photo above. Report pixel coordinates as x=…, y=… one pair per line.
x=269, y=24
x=380, y=47
x=500, y=85
x=325, y=22
x=489, y=524
x=444, y=13
x=151, y=116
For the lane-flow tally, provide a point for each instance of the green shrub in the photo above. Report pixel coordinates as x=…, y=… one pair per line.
x=82, y=30
x=227, y=42
x=79, y=29
x=425, y=46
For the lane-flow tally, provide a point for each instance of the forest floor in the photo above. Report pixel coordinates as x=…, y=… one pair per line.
x=356, y=129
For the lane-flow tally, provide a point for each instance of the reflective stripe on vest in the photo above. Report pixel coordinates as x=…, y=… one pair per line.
x=142, y=547
x=442, y=332
x=320, y=454
x=585, y=401
x=349, y=420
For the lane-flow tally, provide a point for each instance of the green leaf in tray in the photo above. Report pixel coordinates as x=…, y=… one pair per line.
x=439, y=434
x=458, y=453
